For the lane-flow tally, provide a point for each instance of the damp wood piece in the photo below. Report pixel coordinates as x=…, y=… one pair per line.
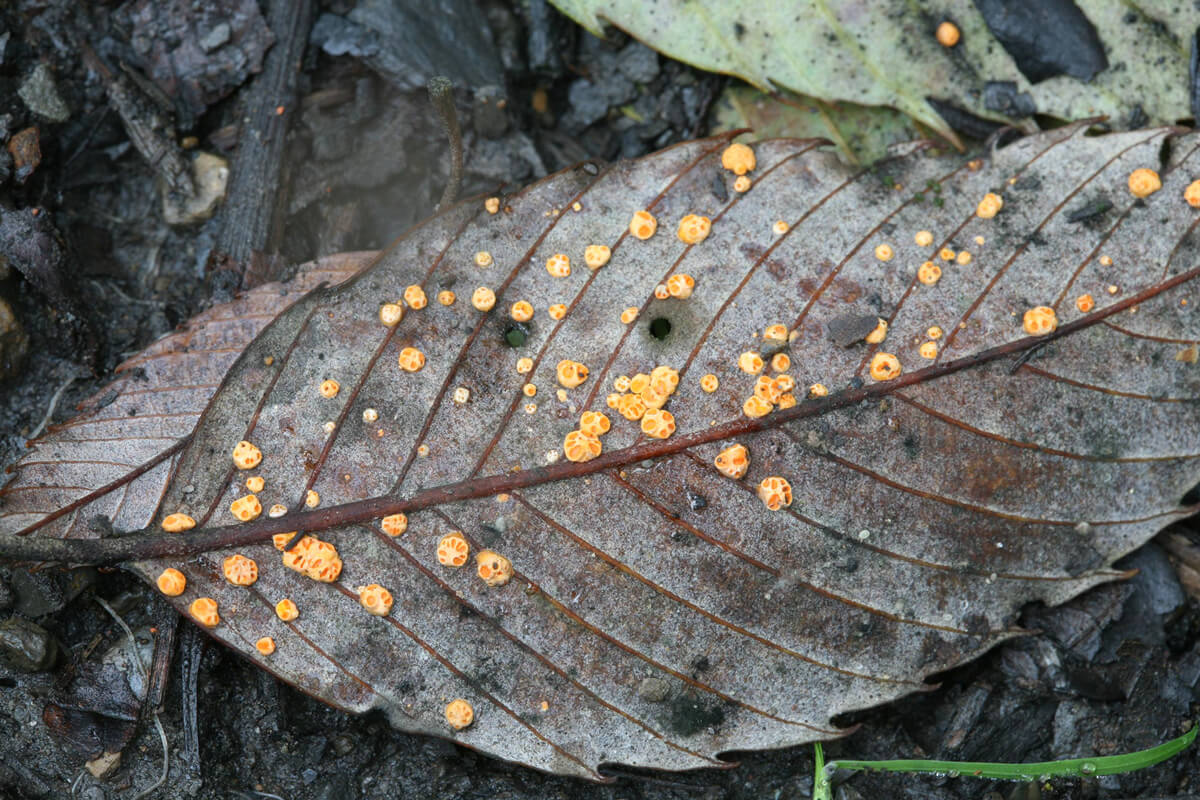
x=616, y=571
x=258, y=181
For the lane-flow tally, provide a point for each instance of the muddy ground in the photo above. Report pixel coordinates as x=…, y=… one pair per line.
x=1114, y=671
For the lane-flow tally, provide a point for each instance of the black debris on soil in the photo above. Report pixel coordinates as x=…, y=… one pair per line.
x=107, y=242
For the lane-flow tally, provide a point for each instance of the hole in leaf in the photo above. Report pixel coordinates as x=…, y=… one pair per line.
x=660, y=327
x=1191, y=497
x=516, y=334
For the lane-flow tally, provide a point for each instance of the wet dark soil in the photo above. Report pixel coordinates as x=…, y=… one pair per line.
x=1114, y=671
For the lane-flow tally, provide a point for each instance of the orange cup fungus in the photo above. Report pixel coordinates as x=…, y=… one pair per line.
x=483, y=299
x=493, y=568
x=571, y=373
x=768, y=389
x=818, y=390
x=394, y=524
x=315, y=559
x=204, y=611
x=693, y=229
x=879, y=334
x=446, y=297
x=391, y=313
x=281, y=540
x=596, y=255
x=176, y=523
x=580, y=447
x=375, y=599
x=777, y=333
x=928, y=350
x=738, y=159
x=459, y=714
x=643, y=225
x=989, y=206
x=411, y=359
x=1192, y=194
x=947, y=34
x=741, y=184
x=452, y=550
x=775, y=492
x=929, y=273
x=265, y=645
x=415, y=297
x=1040, y=321
x=286, y=610
x=329, y=388
x=521, y=311
x=1085, y=303
x=255, y=483
x=681, y=285
x=884, y=252
x=557, y=311
x=923, y=238
x=246, y=508
x=733, y=461
x=558, y=265
x=756, y=407
x=709, y=383
x=658, y=424
x=664, y=379
x=171, y=582
x=1144, y=182
x=885, y=367
x=781, y=362
x=594, y=423
x=750, y=362
x=239, y=570
x=246, y=455
x=629, y=315
x=631, y=406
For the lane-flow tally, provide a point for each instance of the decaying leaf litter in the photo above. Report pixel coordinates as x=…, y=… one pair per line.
x=839, y=631
x=251, y=745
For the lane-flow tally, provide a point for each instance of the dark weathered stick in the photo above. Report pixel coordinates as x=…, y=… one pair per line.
x=257, y=182
x=148, y=132
x=150, y=543
x=441, y=94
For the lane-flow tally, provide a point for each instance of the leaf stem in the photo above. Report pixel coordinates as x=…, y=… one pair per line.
x=152, y=543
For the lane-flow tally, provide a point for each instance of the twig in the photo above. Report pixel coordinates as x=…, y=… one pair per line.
x=441, y=94
x=150, y=543
x=251, y=218
x=137, y=659
x=50, y=411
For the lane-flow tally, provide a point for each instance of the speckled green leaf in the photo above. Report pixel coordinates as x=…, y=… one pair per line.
x=883, y=53
x=660, y=615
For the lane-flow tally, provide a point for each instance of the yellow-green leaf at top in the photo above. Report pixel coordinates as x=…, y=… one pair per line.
x=884, y=53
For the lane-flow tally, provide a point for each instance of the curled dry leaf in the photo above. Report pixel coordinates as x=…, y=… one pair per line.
x=926, y=510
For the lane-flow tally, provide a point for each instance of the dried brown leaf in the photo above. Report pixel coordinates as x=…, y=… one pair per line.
x=644, y=626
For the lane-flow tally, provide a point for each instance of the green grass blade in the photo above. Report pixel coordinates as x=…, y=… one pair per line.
x=1074, y=767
